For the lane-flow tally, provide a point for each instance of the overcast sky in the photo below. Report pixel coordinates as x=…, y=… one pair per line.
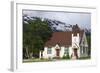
x=82, y=19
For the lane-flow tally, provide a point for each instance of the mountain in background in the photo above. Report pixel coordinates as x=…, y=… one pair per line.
x=55, y=24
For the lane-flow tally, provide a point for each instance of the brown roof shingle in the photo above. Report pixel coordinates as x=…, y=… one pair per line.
x=62, y=38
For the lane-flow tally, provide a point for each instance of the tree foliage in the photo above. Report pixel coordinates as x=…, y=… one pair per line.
x=35, y=35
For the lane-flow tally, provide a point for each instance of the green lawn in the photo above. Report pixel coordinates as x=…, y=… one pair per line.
x=47, y=60
x=36, y=60
x=41, y=60
x=84, y=58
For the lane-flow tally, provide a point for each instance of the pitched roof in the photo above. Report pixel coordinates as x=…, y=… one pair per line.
x=64, y=38
x=61, y=38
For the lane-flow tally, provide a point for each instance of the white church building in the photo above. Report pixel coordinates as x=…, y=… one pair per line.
x=72, y=43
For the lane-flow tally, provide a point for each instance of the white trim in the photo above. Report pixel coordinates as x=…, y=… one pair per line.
x=17, y=34
x=55, y=4
x=13, y=37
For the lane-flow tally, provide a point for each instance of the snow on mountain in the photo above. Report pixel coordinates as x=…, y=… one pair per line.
x=54, y=24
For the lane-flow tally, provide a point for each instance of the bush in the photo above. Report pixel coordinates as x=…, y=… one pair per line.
x=66, y=57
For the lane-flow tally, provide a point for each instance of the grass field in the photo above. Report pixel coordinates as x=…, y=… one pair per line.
x=50, y=60
x=36, y=60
